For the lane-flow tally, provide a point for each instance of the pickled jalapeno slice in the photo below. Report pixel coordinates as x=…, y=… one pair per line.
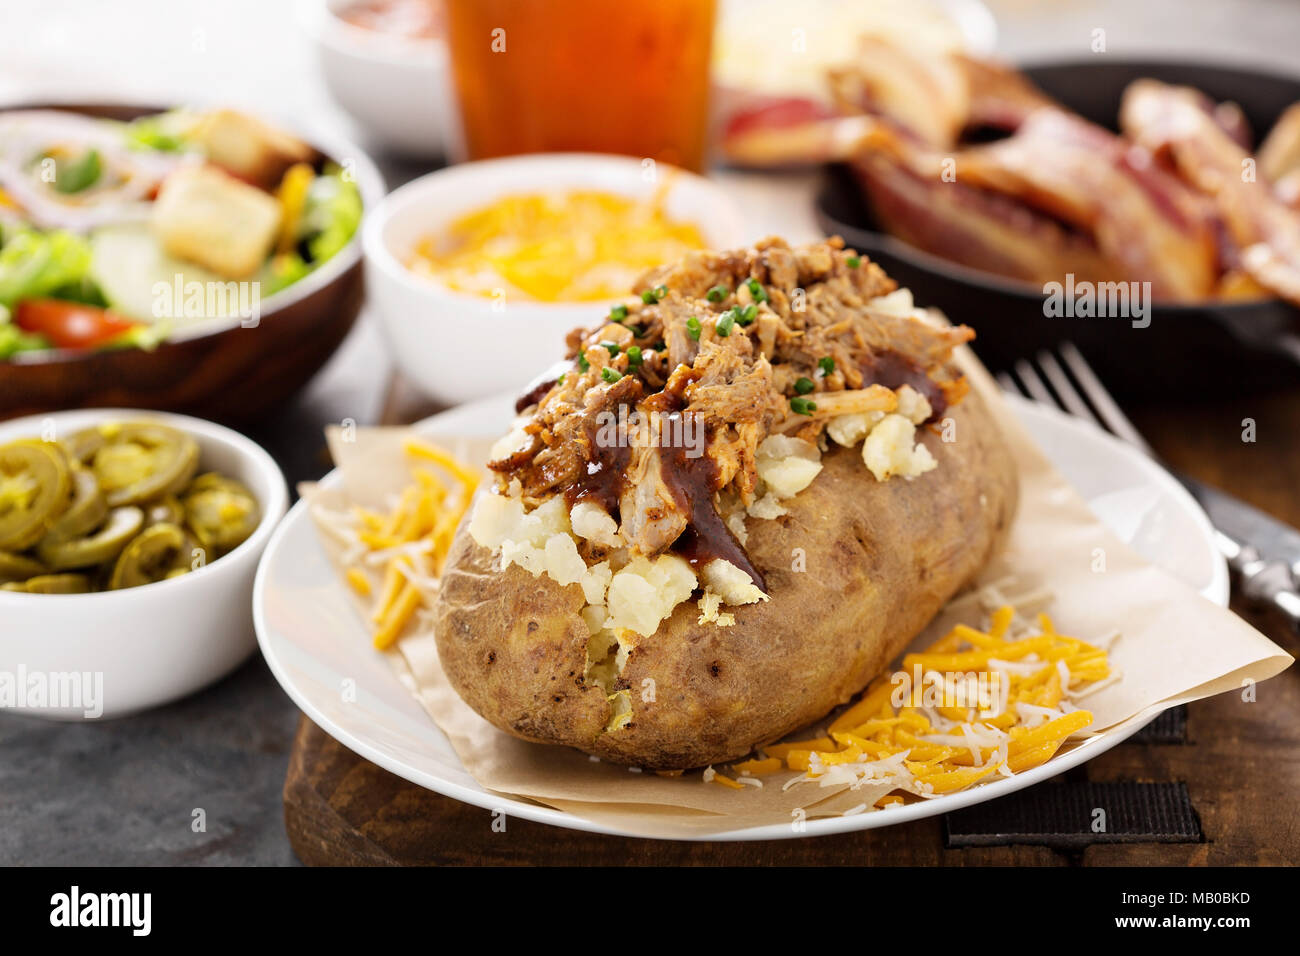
x=221, y=512
x=152, y=556
x=18, y=567
x=58, y=584
x=83, y=444
x=34, y=483
x=166, y=510
x=85, y=512
x=143, y=461
x=113, y=506
x=122, y=525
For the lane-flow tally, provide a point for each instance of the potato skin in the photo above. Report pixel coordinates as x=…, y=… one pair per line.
x=880, y=560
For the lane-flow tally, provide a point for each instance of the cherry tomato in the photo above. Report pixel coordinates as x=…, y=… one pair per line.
x=71, y=325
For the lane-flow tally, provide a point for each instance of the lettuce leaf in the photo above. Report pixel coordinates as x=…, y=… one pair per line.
x=14, y=339
x=166, y=132
x=36, y=264
x=282, y=271
x=331, y=214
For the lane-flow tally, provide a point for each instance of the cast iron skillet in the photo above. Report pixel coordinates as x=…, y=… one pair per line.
x=1187, y=349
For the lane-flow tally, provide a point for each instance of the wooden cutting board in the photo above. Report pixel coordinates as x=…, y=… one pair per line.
x=1238, y=760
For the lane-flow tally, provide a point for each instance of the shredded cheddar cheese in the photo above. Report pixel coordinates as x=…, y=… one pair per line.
x=758, y=767
x=360, y=583
x=391, y=624
x=726, y=781
x=393, y=581
x=410, y=543
x=580, y=246
x=913, y=728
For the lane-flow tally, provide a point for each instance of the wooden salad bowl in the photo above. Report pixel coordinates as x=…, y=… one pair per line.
x=230, y=372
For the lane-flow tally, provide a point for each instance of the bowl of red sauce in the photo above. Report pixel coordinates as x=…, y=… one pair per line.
x=385, y=63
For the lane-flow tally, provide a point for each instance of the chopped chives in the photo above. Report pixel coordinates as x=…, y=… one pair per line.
x=610, y=374
x=804, y=385
x=693, y=328
x=618, y=313
x=726, y=322
x=717, y=293
x=802, y=406
x=853, y=262
x=757, y=291
x=633, y=356
x=826, y=364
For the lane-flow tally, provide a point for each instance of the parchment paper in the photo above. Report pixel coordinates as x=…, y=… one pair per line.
x=1174, y=646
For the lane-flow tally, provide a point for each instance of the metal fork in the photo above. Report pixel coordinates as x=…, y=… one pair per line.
x=1253, y=543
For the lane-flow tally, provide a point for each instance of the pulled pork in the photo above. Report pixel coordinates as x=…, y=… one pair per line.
x=666, y=404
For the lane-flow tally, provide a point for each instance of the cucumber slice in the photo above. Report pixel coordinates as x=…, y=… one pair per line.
x=139, y=279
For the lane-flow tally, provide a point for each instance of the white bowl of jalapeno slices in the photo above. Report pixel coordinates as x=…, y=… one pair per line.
x=128, y=544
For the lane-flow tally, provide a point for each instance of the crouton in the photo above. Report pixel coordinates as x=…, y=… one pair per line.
x=207, y=216
x=248, y=148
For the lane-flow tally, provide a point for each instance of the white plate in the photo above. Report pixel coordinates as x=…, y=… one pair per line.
x=316, y=644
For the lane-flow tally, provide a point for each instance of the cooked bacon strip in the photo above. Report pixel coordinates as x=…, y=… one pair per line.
x=1174, y=123
x=975, y=227
x=1056, y=196
x=1143, y=220
x=1000, y=96
x=792, y=133
x=1279, y=154
x=927, y=96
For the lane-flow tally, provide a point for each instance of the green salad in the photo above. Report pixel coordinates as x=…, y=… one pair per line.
x=116, y=235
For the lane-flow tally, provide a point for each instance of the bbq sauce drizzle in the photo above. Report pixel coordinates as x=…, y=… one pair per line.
x=893, y=370
x=692, y=482
x=707, y=536
x=605, y=475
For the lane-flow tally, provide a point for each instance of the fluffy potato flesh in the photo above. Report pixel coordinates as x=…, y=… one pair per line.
x=855, y=569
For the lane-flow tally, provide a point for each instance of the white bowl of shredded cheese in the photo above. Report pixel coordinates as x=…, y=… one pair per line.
x=477, y=272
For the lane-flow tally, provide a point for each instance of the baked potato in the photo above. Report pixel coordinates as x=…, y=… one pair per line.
x=560, y=623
